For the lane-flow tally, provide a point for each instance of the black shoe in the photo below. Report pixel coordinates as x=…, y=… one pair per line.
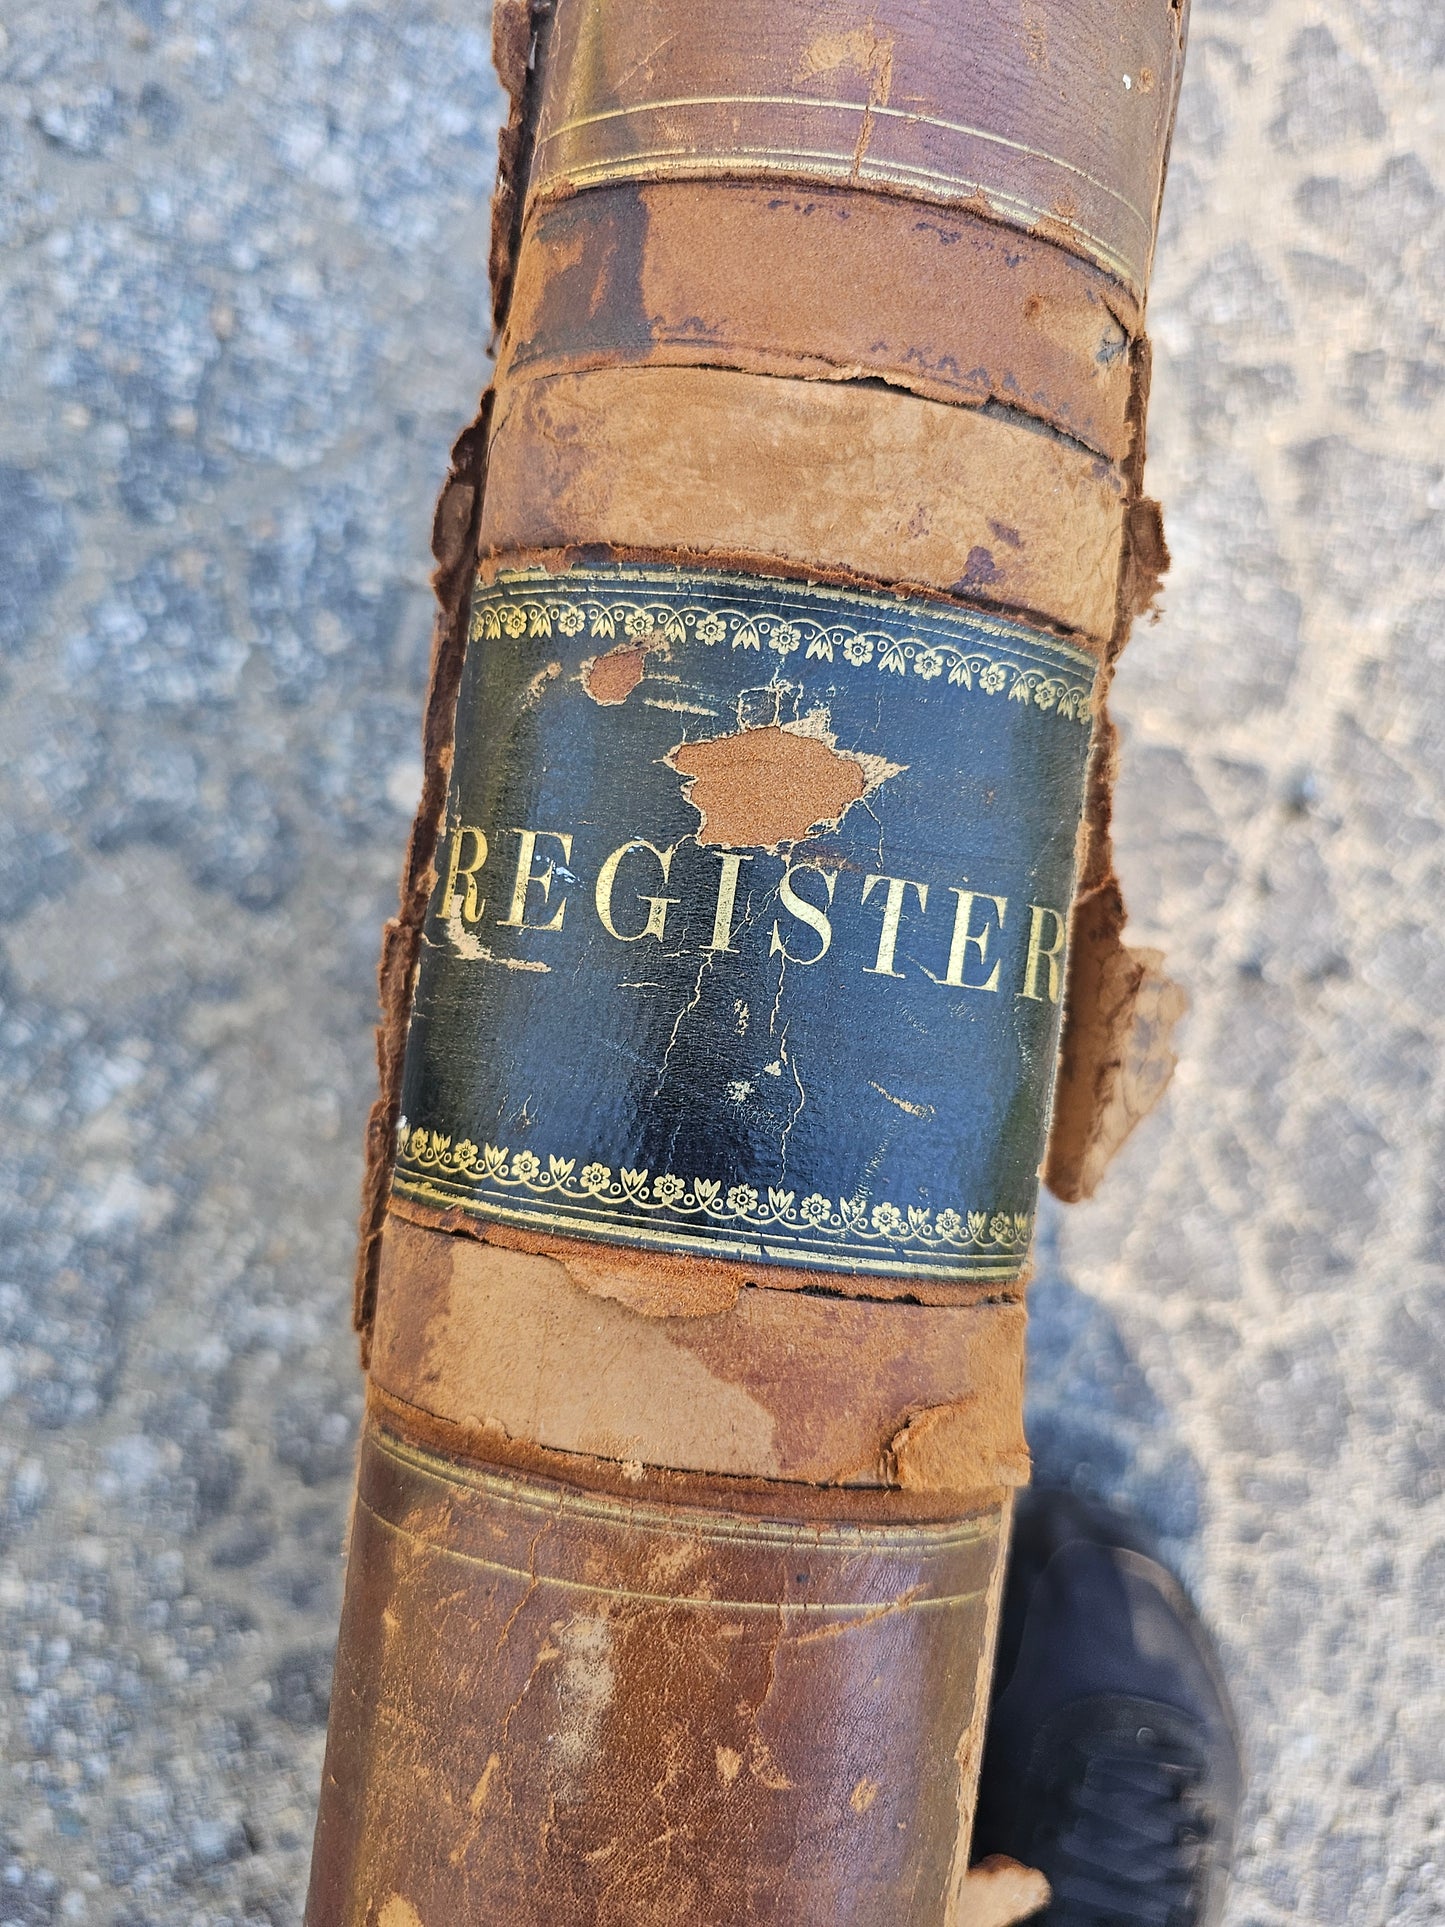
x=1112, y=1760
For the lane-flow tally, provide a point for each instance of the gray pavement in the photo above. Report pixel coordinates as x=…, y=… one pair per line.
x=241, y=317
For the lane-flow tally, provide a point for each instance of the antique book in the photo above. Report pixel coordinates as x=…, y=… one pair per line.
x=758, y=948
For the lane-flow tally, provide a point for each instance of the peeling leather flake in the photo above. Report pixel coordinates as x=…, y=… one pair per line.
x=762, y=788
x=974, y=1444
x=486, y=1337
x=611, y=678
x=999, y=1893
x=1115, y=1050
x=1117, y=1054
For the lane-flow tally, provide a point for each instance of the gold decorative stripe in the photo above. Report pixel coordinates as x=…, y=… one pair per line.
x=785, y=633
x=640, y=1196
x=679, y=160
x=619, y=1230
x=837, y=1616
x=441, y=1196
x=926, y=611
x=681, y=164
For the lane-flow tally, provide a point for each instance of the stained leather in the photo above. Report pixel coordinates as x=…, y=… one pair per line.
x=495, y=1340
x=1054, y=118
x=556, y=1706
x=831, y=283
x=870, y=483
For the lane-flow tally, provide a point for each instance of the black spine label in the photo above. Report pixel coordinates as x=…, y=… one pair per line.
x=749, y=925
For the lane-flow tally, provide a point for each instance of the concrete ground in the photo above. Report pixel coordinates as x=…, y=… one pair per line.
x=241, y=316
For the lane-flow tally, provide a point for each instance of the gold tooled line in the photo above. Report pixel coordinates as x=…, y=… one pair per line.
x=871, y=110
x=837, y=1537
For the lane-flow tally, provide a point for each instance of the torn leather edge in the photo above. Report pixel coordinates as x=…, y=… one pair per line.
x=955, y=1447
x=998, y=1892
x=455, y=529
x=519, y=31
x=502, y=1338
x=1120, y=1009
x=1116, y=1053
x=518, y=27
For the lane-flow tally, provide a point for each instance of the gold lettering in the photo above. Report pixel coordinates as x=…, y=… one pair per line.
x=527, y=876
x=965, y=937
x=473, y=904
x=727, y=895
x=658, y=906
x=1040, y=952
x=892, y=917
x=815, y=918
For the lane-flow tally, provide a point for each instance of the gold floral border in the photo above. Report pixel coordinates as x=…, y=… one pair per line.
x=626, y=618
x=712, y=1201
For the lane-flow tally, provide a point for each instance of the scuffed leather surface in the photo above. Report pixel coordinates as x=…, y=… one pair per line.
x=866, y=482
x=628, y=1715
x=1055, y=119
x=501, y=1341
x=827, y=282
x=576, y=1796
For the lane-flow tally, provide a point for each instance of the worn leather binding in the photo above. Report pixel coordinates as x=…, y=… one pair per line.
x=781, y=581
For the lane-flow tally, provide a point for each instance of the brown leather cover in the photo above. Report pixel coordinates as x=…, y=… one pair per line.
x=559, y=1705
x=503, y=1343
x=942, y=303
x=1052, y=118
x=672, y=1581
x=839, y=477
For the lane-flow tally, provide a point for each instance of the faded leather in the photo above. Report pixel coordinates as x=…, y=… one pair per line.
x=941, y=303
x=866, y=483
x=504, y=1343
x=555, y=1705
x=1054, y=118
x=672, y=1588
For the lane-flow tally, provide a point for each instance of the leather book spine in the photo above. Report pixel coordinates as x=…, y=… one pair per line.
x=762, y=863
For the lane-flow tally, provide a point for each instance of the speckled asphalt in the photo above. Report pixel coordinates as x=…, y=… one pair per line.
x=241, y=317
